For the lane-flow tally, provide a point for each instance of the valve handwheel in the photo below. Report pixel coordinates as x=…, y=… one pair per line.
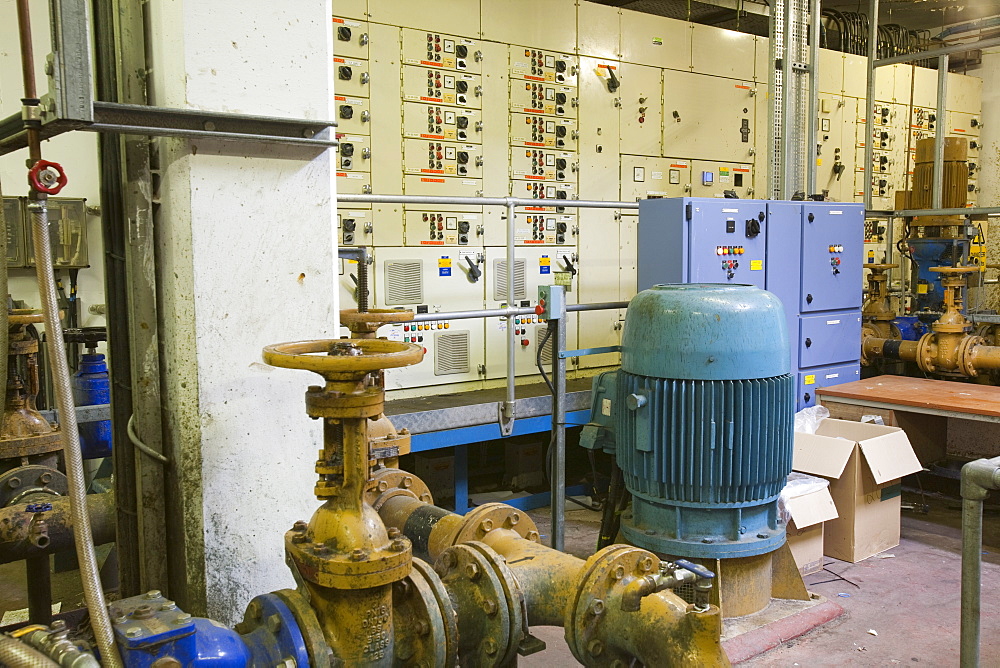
x=47, y=177
x=343, y=356
x=955, y=270
x=879, y=266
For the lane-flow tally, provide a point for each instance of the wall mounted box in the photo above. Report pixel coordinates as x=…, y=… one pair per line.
x=864, y=464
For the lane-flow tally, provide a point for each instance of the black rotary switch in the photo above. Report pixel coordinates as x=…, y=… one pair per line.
x=344, y=34
x=462, y=51
x=345, y=73
x=462, y=86
x=346, y=111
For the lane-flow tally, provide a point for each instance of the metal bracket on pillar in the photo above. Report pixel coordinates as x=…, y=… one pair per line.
x=70, y=103
x=505, y=417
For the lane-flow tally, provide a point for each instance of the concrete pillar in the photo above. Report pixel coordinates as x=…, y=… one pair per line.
x=989, y=154
x=246, y=252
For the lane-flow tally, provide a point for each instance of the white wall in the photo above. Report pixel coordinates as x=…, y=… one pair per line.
x=76, y=152
x=246, y=251
x=989, y=178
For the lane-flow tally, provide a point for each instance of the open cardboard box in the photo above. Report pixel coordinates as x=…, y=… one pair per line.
x=808, y=513
x=864, y=463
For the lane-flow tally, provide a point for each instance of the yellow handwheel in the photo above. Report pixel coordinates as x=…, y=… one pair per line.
x=338, y=357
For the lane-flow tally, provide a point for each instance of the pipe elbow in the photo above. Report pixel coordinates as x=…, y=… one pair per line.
x=635, y=591
x=979, y=477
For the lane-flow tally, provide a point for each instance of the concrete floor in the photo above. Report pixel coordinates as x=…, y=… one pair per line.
x=910, y=599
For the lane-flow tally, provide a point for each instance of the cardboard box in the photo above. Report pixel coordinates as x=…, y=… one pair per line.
x=863, y=463
x=809, y=507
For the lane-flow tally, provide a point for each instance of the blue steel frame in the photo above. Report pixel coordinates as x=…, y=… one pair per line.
x=461, y=438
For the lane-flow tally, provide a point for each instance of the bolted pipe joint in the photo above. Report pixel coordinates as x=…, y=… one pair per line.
x=979, y=477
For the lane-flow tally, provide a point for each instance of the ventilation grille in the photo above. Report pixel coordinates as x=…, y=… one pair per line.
x=706, y=442
x=451, y=353
x=547, y=351
x=404, y=282
x=500, y=282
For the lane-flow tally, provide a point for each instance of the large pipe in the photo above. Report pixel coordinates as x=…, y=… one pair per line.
x=663, y=631
x=16, y=654
x=17, y=535
x=558, y=483
x=978, y=478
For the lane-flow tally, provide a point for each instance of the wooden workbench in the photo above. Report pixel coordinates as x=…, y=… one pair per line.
x=922, y=407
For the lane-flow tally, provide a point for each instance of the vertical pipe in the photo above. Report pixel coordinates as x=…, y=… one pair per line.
x=972, y=541
x=937, y=194
x=811, y=145
x=870, y=99
x=787, y=102
x=559, y=427
x=39, y=589
x=508, y=408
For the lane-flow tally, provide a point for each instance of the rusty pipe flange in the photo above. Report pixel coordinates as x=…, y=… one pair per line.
x=491, y=620
x=387, y=483
x=426, y=627
x=926, y=347
x=360, y=569
x=965, y=355
x=369, y=321
x=366, y=403
x=23, y=481
x=489, y=516
x=343, y=359
x=319, y=651
x=607, y=571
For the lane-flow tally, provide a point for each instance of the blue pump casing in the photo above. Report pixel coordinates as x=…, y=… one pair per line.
x=929, y=253
x=701, y=414
x=92, y=386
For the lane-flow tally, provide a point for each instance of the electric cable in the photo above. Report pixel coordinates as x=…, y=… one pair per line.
x=140, y=446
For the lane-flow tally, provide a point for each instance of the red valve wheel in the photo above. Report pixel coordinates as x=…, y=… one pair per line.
x=47, y=177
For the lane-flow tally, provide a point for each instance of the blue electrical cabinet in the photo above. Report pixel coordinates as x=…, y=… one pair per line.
x=809, y=254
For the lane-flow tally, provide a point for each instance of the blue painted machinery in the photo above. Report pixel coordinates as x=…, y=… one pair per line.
x=703, y=418
x=809, y=254
x=92, y=387
x=930, y=252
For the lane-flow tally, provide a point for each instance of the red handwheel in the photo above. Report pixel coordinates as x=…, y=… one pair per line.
x=47, y=177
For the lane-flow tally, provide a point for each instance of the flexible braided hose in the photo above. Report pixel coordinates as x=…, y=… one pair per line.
x=93, y=592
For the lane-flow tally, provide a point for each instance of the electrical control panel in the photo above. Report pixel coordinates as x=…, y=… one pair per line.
x=538, y=131
x=429, y=121
x=355, y=227
x=434, y=86
x=544, y=66
x=533, y=267
x=352, y=77
x=421, y=156
x=354, y=153
x=532, y=97
x=537, y=164
x=67, y=234
x=544, y=227
x=453, y=352
x=354, y=115
x=447, y=52
x=690, y=240
x=448, y=228
x=350, y=38
x=564, y=100
x=651, y=178
x=810, y=380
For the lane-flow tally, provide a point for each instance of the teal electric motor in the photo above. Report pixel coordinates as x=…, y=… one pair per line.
x=700, y=418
